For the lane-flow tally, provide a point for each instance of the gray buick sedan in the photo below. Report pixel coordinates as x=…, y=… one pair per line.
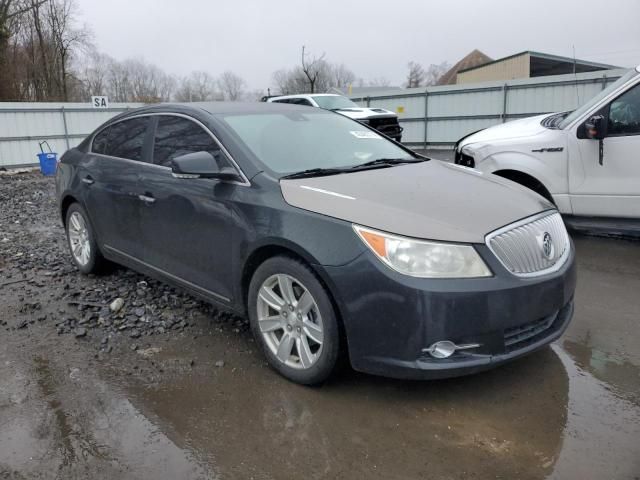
x=332, y=238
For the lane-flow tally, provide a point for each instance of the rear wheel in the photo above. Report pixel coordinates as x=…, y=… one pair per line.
x=82, y=241
x=293, y=320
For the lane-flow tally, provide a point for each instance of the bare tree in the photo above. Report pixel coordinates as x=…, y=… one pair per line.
x=231, y=85
x=10, y=13
x=290, y=81
x=65, y=37
x=379, y=82
x=148, y=83
x=312, y=69
x=416, y=75
x=119, y=82
x=340, y=76
x=320, y=76
x=93, y=73
x=197, y=87
x=435, y=71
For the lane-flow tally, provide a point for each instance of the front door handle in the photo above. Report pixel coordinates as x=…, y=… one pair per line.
x=146, y=199
x=88, y=180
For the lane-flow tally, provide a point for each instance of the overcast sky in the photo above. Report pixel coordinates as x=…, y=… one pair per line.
x=373, y=38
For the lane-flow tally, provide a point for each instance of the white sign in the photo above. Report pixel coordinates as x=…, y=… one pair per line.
x=100, y=102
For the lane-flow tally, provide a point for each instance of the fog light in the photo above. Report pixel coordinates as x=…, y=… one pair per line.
x=446, y=348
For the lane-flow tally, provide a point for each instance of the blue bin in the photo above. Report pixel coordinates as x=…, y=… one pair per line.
x=48, y=162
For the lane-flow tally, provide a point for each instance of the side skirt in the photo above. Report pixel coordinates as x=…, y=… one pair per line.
x=133, y=263
x=619, y=227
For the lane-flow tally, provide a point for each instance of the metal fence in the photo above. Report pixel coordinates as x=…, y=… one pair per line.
x=62, y=125
x=439, y=116
x=431, y=117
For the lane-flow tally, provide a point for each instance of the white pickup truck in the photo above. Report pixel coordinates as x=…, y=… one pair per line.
x=587, y=161
x=382, y=120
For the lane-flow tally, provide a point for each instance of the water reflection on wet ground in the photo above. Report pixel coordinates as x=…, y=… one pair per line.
x=570, y=411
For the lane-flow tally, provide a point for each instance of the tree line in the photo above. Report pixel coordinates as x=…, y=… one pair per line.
x=46, y=54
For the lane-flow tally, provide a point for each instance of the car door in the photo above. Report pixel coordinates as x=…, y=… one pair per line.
x=187, y=222
x=612, y=188
x=110, y=184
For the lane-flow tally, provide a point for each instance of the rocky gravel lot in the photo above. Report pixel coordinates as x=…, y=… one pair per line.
x=121, y=307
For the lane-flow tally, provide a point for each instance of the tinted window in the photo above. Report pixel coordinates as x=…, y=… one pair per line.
x=177, y=136
x=100, y=141
x=624, y=113
x=302, y=101
x=126, y=138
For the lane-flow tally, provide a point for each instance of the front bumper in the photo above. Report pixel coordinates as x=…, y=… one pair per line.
x=390, y=318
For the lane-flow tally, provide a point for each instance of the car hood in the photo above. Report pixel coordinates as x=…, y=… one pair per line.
x=525, y=127
x=359, y=113
x=430, y=200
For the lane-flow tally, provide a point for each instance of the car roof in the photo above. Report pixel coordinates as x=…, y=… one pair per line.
x=214, y=108
x=203, y=109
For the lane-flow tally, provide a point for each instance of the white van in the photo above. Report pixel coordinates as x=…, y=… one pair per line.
x=586, y=161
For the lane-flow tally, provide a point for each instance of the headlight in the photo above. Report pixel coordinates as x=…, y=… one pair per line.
x=425, y=259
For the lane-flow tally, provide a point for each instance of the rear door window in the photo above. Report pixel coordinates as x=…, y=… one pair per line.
x=126, y=138
x=177, y=136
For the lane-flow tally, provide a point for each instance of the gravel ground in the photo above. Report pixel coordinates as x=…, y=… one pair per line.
x=108, y=309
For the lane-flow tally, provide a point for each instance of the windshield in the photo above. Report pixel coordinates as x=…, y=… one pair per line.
x=333, y=102
x=293, y=141
x=595, y=100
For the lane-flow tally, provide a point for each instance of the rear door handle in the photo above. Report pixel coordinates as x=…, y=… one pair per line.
x=146, y=199
x=88, y=180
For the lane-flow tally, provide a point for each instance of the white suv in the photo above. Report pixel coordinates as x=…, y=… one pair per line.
x=384, y=121
x=586, y=161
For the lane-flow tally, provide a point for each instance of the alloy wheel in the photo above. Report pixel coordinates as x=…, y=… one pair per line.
x=79, y=239
x=290, y=322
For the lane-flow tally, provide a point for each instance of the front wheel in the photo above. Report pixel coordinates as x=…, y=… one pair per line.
x=82, y=241
x=293, y=320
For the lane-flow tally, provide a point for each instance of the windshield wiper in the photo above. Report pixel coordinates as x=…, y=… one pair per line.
x=379, y=163
x=389, y=161
x=317, y=172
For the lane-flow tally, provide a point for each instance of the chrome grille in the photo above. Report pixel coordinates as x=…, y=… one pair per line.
x=520, y=247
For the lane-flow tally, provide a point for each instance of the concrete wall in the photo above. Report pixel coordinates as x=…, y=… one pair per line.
x=431, y=117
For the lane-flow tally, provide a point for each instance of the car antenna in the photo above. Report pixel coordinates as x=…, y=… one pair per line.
x=575, y=76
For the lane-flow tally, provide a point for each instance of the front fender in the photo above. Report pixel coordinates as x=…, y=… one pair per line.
x=551, y=171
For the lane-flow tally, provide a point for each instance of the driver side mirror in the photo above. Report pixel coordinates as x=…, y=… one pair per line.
x=596, y=127
x=201, y=165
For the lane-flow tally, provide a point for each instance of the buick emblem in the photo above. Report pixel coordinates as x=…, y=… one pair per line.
x=547, y=246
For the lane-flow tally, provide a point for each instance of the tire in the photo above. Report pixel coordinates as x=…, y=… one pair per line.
x=309, y=324
x=81, y=238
